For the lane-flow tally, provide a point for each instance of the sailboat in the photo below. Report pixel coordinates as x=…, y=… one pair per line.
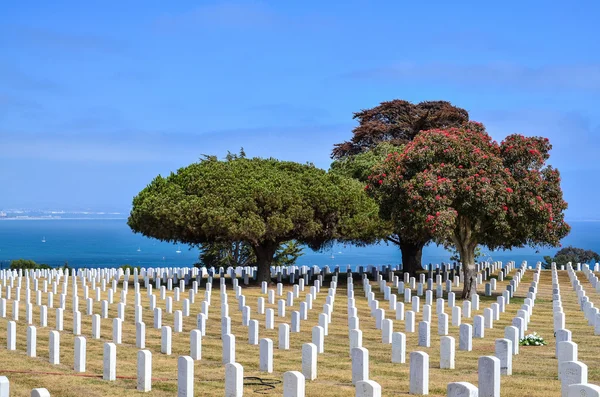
x=44, y=239
x=178, y=250
x=139, y=250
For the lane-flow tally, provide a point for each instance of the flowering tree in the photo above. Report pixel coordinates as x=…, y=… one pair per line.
x=464, y=189
x=260, y=202
x=381, y=130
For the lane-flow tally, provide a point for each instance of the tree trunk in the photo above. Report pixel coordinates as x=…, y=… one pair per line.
x=411, y=256
x=264, y=258
x=467, y=258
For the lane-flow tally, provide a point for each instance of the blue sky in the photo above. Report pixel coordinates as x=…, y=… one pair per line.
x=98, y=97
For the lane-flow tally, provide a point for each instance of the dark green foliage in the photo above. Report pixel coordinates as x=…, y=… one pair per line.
x=239, y=253
x=573, y=255
x=234, y=254
x=287, y=254
x=261, y=202
x=27, y=264
x=130, y=267
x=361, y=165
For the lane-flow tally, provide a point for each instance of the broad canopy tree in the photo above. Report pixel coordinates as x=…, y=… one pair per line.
x=261, y=202
x=465, y=189
x=382, y=130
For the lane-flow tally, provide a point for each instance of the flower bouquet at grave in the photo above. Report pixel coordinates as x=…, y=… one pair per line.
x=532, y=340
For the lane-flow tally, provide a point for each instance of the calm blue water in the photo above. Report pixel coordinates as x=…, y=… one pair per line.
x=111, y=243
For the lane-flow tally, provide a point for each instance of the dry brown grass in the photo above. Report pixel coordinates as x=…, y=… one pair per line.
x=534, y=369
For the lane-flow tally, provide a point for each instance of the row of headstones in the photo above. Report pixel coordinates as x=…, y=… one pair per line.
x=410, y=283
x=591, y=313
x=292, y=385
x=504, y=347
x=360, y=365
x=229, y=344
x=572, y=373
x=490, y=369
x=490, y=314
x=138, y=309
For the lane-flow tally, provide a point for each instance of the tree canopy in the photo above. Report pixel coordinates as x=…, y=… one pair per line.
x=465, y=189
x=261, y=202
x=573, y=255
x=385, y=129
x=27, y=264
x=398, y=122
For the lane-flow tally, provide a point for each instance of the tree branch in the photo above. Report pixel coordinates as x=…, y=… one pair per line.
x=393, y=240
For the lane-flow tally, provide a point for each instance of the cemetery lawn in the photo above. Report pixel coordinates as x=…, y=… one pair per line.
x=534, y=369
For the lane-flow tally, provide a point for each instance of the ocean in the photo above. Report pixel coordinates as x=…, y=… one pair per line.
x=110, y=243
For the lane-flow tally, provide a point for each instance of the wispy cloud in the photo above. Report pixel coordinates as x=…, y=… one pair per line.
x=8, y=101
x=240, y=15
x=62, y=41
x=291, y=112
x=18, y=80
x=306, y=143
x=577, y=77
x=249, y=14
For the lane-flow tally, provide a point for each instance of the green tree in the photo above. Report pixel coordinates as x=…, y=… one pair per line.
x=23, y=264
x=27, y=264
x=261, y=202
x=573, y=255
x=130, y=267
x=465, y=189
x=287, y=254
x=382, y=130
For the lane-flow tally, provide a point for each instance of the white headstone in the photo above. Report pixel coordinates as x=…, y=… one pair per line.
x=309, y=361
x=234, y=380
x=504, y=352
x=465, y=337
x=80, y=354
x=144, y=370
x=571, y=373
x=31, y=341
x=266, y=355
x=185, y=376
x=110, y=362
x=419, y=373
x=228, y=348
x=293, y=384
x=461, y=389
x=368, y=388
x=583, y=389
x=318, y=336
x=489, y=376
x=196, y=344
x=165, y=340
x=398, y=347
x=447, y=352
x=360, y=364
x=54, y=347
